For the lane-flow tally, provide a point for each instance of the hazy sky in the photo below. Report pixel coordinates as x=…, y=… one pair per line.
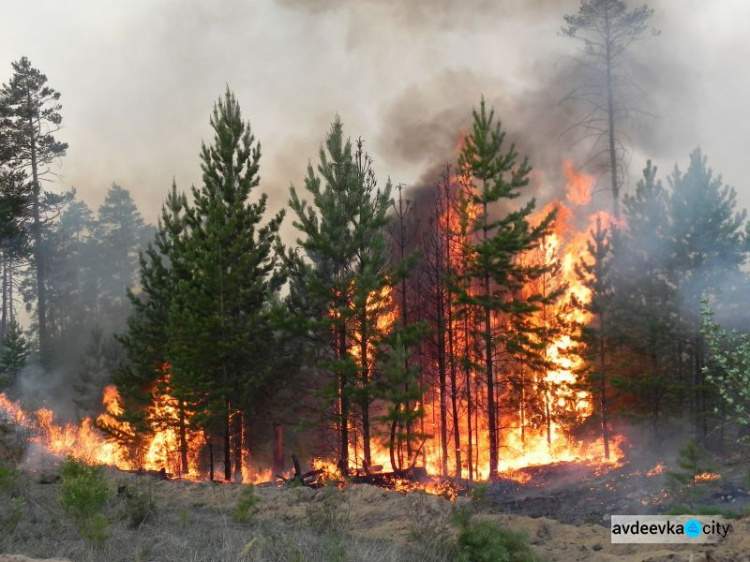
x=138, y=79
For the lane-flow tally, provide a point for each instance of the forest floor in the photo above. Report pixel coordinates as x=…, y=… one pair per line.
x=563, y=511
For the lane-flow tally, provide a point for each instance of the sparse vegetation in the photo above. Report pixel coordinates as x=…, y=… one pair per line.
x=488, y=541
x=245, y=505
x=328, y=513
x=8, y=477
x=139, y=504
x=692, y=461
x=83, y=495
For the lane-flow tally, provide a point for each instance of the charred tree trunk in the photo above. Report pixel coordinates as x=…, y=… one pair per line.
x=440, y=329
x=489, y=366
x=603, y=386
x=210, y=443
x=343, y=403
x=365, y=376
x=392, y=449
x=239, y=443
x=227, y=442
x=469, y=401
x=183, y=438
x=278, y=448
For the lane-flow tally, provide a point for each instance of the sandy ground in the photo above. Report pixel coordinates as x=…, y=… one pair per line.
x=383, y=514
x=375, y=513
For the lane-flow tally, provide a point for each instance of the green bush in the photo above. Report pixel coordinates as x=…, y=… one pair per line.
x=692, y=461
x=245, y=505
x=83, y=491
x=83, y=495
x=488, y=541
x=96, y=531
x=8, y=478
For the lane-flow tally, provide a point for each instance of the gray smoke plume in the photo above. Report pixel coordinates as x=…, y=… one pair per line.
x=138, y=80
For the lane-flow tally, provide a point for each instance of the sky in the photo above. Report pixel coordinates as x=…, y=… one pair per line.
x=138, y=80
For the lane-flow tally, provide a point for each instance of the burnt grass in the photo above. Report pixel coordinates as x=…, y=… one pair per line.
x=578, y=492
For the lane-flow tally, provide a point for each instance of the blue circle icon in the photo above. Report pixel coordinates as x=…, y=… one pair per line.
x=693, y=528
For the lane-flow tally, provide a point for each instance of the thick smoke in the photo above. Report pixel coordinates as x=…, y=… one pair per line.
x=139, y=80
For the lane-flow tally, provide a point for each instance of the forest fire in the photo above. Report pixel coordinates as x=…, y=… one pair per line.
x=542, y=404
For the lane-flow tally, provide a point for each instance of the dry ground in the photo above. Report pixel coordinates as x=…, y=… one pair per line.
x=194, y=522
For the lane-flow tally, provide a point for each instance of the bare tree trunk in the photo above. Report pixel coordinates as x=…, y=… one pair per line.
x=239, y=443
x=227, y=443
x=603, y=387
x=183, y=438
x=39, y=257
x=440, y=332
x=210, y=442
x=611, y=123
x=343, y=403
x=365, y=376
x=469, y=400
x=278, y=448
x=488, y=352
x=4, y=324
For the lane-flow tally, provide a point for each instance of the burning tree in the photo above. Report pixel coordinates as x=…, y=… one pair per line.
x=493, y=278
x=203, y=320
x=344, y=276
x=594, y=271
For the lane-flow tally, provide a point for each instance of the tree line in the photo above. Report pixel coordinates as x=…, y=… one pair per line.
x=383, y=323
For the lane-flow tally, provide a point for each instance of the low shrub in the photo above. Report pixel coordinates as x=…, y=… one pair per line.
x=83, y=495
x=488, y=541
x=245, y=505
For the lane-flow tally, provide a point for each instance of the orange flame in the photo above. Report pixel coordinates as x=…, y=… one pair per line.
x=579, y=186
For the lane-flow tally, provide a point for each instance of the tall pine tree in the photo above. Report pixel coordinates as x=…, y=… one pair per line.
x=30, y=120
x=501, y=234
x=343, y=274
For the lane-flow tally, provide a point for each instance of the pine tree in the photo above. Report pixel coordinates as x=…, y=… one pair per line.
x=607, y=29
x=13, y=236
x=120, y=231
x=219, y=319
x=400, y=389
x=147, y=339
x=31, y=119
x=595, y=272
x=495, y=177
x=644, y=310
x=708, y=250
x=406, y=410
x=343, y=274
x=100, y=360
x=15, y=354
x=71, y=287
